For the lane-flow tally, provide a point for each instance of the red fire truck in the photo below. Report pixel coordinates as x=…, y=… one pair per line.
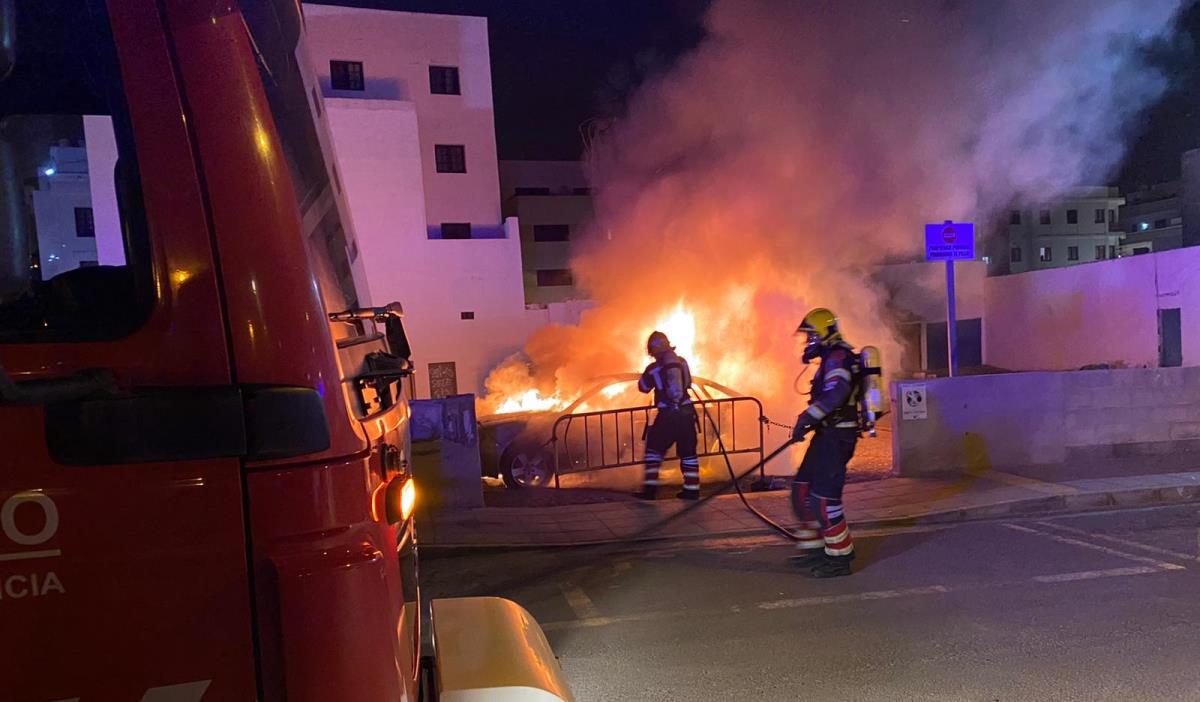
x=204, y=486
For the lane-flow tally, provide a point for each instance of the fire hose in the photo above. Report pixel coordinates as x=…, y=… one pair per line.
x=736, y=480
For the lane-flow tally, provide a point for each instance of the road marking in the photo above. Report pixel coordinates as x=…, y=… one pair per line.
x=854, y=597
x=1123, y=542
x=1030, y=483
x=1093, y=574
x=1096, y=547
x=580, y=603
x=30, y=555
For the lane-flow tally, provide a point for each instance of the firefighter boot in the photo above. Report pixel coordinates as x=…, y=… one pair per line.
x=648, y=492
x=691, y=495
x=832, y=567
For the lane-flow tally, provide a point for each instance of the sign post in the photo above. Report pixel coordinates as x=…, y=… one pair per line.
x=950, y=242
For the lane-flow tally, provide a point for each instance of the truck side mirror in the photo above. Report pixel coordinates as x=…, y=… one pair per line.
x=397, y=337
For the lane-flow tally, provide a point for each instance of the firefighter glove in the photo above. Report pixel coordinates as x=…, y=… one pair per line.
x=803, y=424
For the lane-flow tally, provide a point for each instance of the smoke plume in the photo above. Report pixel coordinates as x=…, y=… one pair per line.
x=803, y=142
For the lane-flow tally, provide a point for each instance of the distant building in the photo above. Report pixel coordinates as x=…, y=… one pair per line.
x=408, y=98
x=553, y=204
x=1079, y=227
x=1152, y=220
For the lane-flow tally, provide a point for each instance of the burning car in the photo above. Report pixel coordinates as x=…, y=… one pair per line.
x=527, y=448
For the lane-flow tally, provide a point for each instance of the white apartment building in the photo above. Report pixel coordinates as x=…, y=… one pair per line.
x=409, y=101
x=1079, y=227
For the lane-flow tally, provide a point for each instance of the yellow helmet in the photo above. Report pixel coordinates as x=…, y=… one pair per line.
x=820, y=326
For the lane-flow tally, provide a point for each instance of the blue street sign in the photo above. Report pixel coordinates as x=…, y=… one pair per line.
x=950, y=241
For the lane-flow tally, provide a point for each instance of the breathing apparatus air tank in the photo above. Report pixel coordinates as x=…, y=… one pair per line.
x=871, y=399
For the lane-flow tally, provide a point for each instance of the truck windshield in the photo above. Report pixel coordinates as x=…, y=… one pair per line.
x=73, y=261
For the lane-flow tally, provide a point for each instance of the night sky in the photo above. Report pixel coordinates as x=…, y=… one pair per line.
x=556, y=64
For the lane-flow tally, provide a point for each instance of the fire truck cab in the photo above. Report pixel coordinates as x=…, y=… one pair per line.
x=205, y=490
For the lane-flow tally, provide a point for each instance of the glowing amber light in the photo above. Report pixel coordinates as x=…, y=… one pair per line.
x=408, y=499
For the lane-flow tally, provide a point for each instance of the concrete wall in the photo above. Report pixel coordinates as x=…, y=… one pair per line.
x=1105, y=312
x=1023, y=419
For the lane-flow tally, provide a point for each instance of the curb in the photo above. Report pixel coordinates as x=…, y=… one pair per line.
x=1052, y=504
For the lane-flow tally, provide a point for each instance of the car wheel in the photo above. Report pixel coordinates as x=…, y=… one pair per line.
x=526, y=465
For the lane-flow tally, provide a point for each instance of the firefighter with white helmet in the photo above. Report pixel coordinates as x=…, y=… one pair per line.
x=670, y=379
x=833, y=418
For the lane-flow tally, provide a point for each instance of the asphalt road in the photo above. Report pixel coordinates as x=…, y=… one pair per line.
x=1103, y=606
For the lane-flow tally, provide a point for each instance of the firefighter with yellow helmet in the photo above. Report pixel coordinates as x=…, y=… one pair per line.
x=825, y=546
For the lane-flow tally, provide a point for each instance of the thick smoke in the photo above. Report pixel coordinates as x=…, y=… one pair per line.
x=804, y=142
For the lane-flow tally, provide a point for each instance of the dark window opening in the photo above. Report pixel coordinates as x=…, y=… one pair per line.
x=1072, y=253
x=1141, y=250
x=456, y=230
x=1112, y=251
x=554, y=277
x=467, y=315
x=1112, y=216
x=1101, y=214
x=66, y=147
x=551, y=232
x=1072, y=216
x=1044, y=217
x=1015, y=256
x=1160, y=224
x=450, y=158
x=1014, y=217
x=346, y=75
x=1046, y=254
x=1100, y=252
x=443, y=80
x=85, y=222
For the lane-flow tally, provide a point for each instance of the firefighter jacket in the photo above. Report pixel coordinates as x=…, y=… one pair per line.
x=835, y=388
x=670, y=379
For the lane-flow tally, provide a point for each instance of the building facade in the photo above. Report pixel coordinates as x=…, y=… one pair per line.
x=1152, y=220
x=553, y=203
x=409, y=103
x=1079, y=227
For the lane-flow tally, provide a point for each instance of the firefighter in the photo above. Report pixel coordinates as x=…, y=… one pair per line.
x=670, y=379
x=825, y=546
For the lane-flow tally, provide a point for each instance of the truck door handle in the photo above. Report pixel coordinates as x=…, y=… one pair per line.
x=86, y=383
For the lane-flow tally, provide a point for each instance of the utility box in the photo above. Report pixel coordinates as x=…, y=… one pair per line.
x=445, y=441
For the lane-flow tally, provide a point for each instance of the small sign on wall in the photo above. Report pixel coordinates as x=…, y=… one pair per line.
x=443, y=380
x=913, y=402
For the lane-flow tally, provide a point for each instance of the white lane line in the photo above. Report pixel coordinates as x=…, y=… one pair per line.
x=580, y=603
x=1161, y=565
x=28, y=555
x=854, y=597
x=1124, y=542
x=1093, y=574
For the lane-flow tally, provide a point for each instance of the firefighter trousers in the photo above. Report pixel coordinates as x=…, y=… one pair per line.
x=673, y=427
x=817, y=491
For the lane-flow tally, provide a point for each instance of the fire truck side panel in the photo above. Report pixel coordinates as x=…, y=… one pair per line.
x=118, y=579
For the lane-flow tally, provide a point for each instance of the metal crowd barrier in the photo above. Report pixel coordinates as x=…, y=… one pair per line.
x=588, y=441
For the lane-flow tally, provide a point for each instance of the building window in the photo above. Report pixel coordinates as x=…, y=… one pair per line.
x=532, y=191
x=443, y=80
x=554, y=277
x=1045, y=254
x=1015, y=256
x=1100, y=251
x=1100, y=216
x=1072, y=216
x=1160, y=224
x=1112, y=251
x=346, y=75
x=456, y=230
x=450, y=158
x=466, y=315
x=1044, y=216
x=551, y=232
x=85, y=222
x=1014, y=217
x=1072, y=253
x=1112, y=216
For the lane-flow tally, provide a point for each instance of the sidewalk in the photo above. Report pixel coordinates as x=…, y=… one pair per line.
x=888, y=502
